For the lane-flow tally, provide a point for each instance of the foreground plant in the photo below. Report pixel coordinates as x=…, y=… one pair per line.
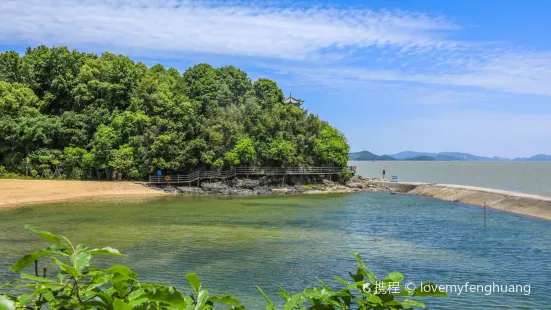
x=364, y=293
x=80, y=286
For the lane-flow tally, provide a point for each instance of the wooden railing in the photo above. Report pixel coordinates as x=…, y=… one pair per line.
x=246, y=171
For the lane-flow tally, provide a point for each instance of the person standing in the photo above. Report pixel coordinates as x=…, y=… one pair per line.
x=384, y=172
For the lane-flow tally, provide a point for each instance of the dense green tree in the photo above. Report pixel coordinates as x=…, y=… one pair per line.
x=74, y=129
x=280, y=152
x=234, y=85
x=75, y=161
x=122, y=160
x=242, y=154
x=105, y=140
x=10, y=67
x=52, y=73
x=267, y=92
x=16, y=100
x=330, y=147
x=78, y=115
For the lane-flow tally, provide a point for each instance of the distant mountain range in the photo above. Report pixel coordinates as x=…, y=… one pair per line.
x=366, y=155
x=443, y=156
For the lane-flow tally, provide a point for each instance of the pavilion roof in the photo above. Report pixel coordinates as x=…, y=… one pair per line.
x=291, y=100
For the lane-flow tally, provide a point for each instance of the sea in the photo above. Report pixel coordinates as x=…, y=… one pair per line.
x=525, y=177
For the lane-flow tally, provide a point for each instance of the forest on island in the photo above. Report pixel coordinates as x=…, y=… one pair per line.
x=70, y=114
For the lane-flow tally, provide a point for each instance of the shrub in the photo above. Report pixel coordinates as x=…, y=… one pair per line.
x=81, y=286
x=345, y=174
x=5, y=174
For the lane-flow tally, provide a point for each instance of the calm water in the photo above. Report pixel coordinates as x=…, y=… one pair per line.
x=234, y=244
x=526, y=177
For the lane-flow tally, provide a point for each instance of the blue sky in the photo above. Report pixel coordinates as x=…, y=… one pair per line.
x=471, y=76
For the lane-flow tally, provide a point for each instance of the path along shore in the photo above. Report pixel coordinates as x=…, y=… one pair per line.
x=520, y=203
x=15, y=193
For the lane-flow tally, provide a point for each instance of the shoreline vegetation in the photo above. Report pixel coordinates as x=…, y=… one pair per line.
x=15, y=193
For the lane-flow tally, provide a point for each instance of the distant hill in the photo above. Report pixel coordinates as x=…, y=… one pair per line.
x=366, y=155
x=539, y=157
x=422, y=158
x=442, y=156
x=411, y=154
x=471, y=157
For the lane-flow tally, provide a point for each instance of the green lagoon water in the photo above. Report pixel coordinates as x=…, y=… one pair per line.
x=525, y=177
x=235, y=244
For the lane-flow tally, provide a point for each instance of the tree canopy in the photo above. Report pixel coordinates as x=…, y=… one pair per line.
x=81, y=115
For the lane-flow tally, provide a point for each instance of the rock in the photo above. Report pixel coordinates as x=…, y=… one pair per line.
x=354, y=185
x=190, y=190
x=170, y=189
x=281, y=190
x=241, y=192
x=299, y=180
x=216, y=188
x=248, y=184
x=262, y=191
x=213, y=185
x=328, y=183
x=298, y=189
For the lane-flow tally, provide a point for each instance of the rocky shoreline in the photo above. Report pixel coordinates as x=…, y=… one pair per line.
x=526, y=204
x=248, y=187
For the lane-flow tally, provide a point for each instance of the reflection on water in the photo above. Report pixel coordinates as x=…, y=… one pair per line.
x=237, y=243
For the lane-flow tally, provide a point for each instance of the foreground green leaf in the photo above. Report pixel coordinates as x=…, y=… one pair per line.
x=168, y=295
x=46, y=235
x=104, y=251
x=121, y=305
x=194, y=281
x=6, y=303
x=226, y=299
x=81, y=261
x=68, y=269
x=35, y=278
x=202, y=298
x=30, y=258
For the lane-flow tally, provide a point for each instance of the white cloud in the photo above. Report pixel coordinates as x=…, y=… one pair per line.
x=225, y=28
x=376, y=46
x=519, y=72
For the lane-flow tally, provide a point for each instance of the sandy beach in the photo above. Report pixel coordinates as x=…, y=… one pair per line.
x=20, y=192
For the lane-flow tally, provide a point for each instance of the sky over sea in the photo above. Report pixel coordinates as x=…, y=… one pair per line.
x=470, y=76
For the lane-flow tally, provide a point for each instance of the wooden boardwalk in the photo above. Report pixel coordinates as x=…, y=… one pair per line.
x=197, y=176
